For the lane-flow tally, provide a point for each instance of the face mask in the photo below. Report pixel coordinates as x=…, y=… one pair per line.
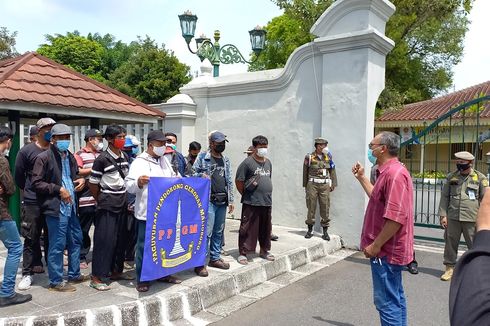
x=325, y=150
x=6, y=152
x=100, y=146
x=159, y=150
x=219, y=148
x=119, y=143
x=371, y=157
x=462, y=167
x=47, y=136
x=172, y=146
x=261, y=152
x=63, y=145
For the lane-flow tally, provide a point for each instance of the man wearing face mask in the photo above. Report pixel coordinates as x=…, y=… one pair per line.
x=214, y=165
x=9, y=234
x=86, y=202
x=106, y=183
x=181, y=162
x=131, y=144
x=33, y=223
x=194, y=150
x=254, y=183
x=460, y=200
x=145, y=166
x=319, y=179
x=55, y=180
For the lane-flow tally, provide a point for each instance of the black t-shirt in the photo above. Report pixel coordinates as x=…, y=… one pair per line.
x=218, y=181
x=24, y=163
x=261, y=195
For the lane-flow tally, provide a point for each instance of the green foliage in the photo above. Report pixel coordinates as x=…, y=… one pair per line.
x=140, y=69
x=428, y=37
x=151, y=75
x=76, y=52
x=7, y=44
x=430, y=175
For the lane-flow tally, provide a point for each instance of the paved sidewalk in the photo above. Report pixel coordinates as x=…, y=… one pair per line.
x=197, y=301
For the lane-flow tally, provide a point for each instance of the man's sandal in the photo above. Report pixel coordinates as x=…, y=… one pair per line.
x=100, y=286
x=267, y=256
x=143, y=287
x=242, y=260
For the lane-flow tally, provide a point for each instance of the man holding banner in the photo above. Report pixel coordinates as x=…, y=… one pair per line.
x=143, y=167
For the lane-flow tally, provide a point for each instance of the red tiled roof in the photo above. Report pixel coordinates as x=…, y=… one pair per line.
x=434, y=108
x=32, y=78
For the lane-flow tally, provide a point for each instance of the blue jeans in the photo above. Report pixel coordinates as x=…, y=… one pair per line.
x=9, y=235
x=216, y=224
x=64, y=231
x=388, y=294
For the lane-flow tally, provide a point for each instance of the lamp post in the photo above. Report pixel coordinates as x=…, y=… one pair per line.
x=215, y=53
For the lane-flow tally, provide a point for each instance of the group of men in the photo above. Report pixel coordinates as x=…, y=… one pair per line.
x=65, y=194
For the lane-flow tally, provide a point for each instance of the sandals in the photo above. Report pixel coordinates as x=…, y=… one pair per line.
x=143, y=287
x=242, y=260
x=170, y=279
x=267, y=256
x=100, y=286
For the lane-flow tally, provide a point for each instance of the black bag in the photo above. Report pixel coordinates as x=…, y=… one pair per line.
x=219, y=198
x=252, y=182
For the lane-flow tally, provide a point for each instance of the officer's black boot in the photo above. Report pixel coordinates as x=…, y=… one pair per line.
x=309, y=234
x=325, y=235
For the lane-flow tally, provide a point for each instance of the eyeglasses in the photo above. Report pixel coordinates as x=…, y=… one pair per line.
x=371, y=145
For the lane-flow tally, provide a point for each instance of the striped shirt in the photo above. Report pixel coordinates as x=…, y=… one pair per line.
x=85, y=159
x=391, y=198
x=106, y=174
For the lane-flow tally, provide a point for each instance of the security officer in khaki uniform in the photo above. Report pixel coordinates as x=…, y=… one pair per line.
x=319, y=179
x=458, y=208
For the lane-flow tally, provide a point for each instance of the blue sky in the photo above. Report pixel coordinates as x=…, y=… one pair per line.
x=126, y=19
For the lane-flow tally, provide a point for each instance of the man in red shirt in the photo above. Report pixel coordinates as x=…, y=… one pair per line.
x=387, y=233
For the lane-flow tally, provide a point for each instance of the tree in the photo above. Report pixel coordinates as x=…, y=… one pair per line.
x=152, y=75
x=7, y=44
x=76, y=52
x=428, y=37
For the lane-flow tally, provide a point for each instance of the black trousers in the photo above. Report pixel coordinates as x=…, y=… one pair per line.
x=32, y=227
x=86, y=216
x=131, y=236
x=255, y=224
x=109, y=242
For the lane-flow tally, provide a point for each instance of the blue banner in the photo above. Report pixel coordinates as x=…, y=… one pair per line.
x=176, y=220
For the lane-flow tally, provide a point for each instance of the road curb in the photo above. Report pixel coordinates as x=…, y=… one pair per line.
x=187, y=306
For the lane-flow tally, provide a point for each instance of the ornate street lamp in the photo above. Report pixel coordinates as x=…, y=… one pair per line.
x=215, y=53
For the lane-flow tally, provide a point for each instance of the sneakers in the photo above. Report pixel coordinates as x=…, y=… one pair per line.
x=62, y=287
x=220, y=263
x=447, y=274
x=201, y=271
x=25, y=283
x=17, y=298
x=274, y=237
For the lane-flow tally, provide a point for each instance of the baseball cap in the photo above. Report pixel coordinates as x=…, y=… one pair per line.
x=33, y=131
x=156, y=135
x=92, y=133
x=217, y=137
x=60, y=129
x=43, y=122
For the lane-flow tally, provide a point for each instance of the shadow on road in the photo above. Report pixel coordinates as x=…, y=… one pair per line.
x=332, y=322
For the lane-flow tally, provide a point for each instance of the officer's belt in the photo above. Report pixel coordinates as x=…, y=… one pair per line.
x=317, y=180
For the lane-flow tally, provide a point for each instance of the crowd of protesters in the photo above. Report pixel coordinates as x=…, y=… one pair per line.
x=65, y=195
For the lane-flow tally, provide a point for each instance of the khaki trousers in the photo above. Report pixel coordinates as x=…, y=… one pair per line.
x=318, y=192
x=452, y=235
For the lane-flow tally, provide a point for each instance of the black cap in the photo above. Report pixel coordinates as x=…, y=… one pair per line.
x=156, y=135
x=33, y=131
x=92, y=133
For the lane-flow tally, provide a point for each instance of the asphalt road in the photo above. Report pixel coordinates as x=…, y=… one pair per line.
x=342, y=295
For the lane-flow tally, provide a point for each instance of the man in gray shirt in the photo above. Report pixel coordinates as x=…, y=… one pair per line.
x=253, y=181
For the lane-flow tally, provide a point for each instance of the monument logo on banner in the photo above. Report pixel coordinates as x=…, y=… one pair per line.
x=175, y=238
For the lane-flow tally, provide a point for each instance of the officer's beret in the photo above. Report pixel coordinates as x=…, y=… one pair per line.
x=467, y=156
x=320, y=140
